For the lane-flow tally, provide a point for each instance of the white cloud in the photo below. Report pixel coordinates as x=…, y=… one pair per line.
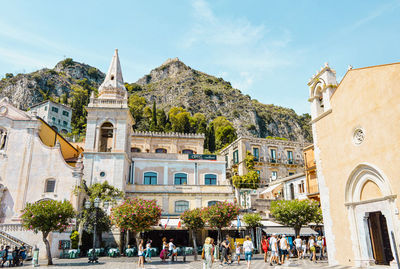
x=239, y=47
x=374, y=14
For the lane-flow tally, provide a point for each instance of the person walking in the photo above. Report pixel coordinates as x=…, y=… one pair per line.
x=312, y=244
x=264, y=246
x=141, y=254
x=248, y=250
x=208, y=253
x=304, y=248
x=170, y=247
x=297, y=243
x=319, y=247
x=225, y=246
x=284, y=248
x=274, y=250
x=148, y=250
x=238, y=251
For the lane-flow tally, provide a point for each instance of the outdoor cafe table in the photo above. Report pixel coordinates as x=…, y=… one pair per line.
x=73, y=253
x=98, y=250
x=113, y=252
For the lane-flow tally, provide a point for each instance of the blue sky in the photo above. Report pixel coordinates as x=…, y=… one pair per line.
x=267, y=49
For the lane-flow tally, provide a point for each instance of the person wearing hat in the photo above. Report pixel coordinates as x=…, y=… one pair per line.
x=283, y=243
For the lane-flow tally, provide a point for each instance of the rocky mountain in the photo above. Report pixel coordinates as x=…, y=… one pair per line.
x=176, y=84
x=25, y=90
x=171, y=84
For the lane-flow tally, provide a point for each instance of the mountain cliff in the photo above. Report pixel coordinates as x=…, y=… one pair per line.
x=171, y=84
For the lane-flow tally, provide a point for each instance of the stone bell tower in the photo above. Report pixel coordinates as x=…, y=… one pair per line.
x=108, y=131
x=322, y=85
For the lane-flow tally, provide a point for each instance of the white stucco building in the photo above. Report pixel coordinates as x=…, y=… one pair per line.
x=56, y=115
x=35, y=164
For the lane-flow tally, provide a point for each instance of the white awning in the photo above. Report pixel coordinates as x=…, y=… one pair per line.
x=271, y=188
x=305, y=231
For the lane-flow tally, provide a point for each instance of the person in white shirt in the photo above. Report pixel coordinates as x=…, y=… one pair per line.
x=170, y=247
x=283, y=244
x=273, y=242
x=248, y=250
x=297, y=243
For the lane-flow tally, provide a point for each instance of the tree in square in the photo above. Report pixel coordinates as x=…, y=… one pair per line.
x=220, y=215
x=136, y=215
x=47, y=216
x=295, y=213
x=193, y=221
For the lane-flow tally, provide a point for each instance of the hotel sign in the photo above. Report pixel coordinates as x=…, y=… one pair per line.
x=207, y=157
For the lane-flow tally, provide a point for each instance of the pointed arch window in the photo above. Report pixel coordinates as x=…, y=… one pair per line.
x=106, y=137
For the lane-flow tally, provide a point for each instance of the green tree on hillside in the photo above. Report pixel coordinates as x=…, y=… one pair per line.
x=136, y=106
x=225, y=133
x=153, y=123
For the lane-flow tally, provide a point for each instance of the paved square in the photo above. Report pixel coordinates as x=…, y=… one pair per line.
x=125, y=263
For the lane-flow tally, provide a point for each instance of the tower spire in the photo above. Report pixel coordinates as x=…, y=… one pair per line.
x=113, y=85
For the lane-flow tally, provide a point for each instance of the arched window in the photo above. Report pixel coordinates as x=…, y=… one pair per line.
x=210, y=179
x=50, y=185
x=181, y=206
x=106, y=137
x=54, y=128
x=150, y=178
x=180, y=179
x=211, y=203
x=187, y=151
x=3, y=138
x=161, y=150
x=135, y=150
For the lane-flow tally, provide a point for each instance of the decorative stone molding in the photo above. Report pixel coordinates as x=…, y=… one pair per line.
x=358, y=136
x=172, y=134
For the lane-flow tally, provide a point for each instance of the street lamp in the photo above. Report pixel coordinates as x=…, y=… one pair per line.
x=96, y=204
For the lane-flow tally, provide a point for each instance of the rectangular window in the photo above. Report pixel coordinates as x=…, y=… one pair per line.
x=65, y=123
x=226, y=161
x=210, y=179
x=235, y=157
x=273, y=155
x=291, y=173
x=54, y=119
x=54, y=109
x=150, y=178
x=256, y=154
x=274, y=175
x=290, y=156
x=45, y=108
x=65, y=113
x=181, y=206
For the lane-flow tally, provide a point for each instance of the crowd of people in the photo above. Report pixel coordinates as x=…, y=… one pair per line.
x=280, y=248
x=277, y=249
x=12, y=257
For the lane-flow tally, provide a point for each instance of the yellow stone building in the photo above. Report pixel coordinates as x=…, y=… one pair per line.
x=311, y=173
x=356, y=140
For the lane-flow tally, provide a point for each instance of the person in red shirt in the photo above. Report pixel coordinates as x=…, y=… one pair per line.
x=264, y=245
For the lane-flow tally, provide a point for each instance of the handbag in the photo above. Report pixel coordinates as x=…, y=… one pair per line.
x=202, y=254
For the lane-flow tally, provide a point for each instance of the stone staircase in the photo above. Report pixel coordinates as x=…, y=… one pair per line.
x=9, y=240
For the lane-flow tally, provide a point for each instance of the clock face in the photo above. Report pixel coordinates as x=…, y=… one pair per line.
x=3, y=110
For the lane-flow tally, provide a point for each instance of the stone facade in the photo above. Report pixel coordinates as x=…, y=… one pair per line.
x=56, y=115
x=276, y=158
x=356, y=149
